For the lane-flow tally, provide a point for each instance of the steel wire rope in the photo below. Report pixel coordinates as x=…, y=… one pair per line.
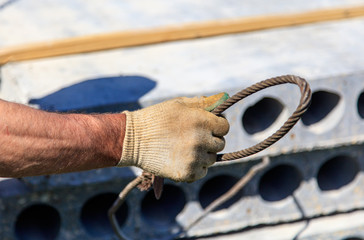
x=292, y=120
x=146, y=179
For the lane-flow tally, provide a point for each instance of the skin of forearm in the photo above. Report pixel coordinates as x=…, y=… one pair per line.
x=35, y=142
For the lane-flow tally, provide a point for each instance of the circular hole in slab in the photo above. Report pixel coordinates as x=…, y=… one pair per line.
x=39, y=221
x=322, y=104
x=337, y=172
x=279, y=182
x=261, y=115
x=361, y=105
x=163, y=212
x=353, y=238
x=94, y=214
x=215, y=187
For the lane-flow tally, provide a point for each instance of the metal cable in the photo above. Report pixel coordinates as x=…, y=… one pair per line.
x=228, y=195
x=292, y=120
x=116, y=205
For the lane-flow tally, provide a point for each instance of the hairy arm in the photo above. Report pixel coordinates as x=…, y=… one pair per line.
x=35, y=142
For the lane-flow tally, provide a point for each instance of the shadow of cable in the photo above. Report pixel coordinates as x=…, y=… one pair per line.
x=108, y=94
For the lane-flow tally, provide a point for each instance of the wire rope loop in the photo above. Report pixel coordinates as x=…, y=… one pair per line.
x=284, y=129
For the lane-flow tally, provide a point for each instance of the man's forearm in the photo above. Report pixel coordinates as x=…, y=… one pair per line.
x=34, y=142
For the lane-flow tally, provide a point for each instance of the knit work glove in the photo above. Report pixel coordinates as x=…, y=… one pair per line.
x=176, y=139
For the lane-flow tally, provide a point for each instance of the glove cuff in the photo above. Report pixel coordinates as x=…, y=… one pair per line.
x=143, y=139
x=127, y=157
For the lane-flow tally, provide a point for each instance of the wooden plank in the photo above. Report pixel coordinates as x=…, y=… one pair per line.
x=107, y=41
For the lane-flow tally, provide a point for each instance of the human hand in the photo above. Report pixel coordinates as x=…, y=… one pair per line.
x=176, y=139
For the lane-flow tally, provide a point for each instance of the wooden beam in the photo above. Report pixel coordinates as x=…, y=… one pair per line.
x=107, y=41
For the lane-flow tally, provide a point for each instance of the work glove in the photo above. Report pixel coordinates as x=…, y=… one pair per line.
x=176, y=139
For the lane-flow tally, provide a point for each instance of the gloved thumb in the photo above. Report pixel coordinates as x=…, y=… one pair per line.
x=207, y=103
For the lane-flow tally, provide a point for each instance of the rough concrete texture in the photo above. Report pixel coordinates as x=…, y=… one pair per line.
x=303, y=194
x=29, y=21
x=347, y=226
x=295, y=186
x=136, y=77
x=311, y=190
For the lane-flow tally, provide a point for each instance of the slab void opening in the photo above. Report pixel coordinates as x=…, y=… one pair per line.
x=261, y=115
x=162, y=213
x=322, y=104
x=215, y=187
x=279, y=182
x=39, y=221
x=337, y=172
x=353, y=238
x=94, y=214
x=361, y=105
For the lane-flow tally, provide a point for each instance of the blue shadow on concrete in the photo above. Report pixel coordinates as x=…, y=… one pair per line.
x=109, y=94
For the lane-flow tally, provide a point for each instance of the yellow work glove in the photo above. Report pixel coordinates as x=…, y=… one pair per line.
x=176, y=139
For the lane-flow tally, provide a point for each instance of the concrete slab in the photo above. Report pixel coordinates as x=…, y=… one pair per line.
x=29, y=21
